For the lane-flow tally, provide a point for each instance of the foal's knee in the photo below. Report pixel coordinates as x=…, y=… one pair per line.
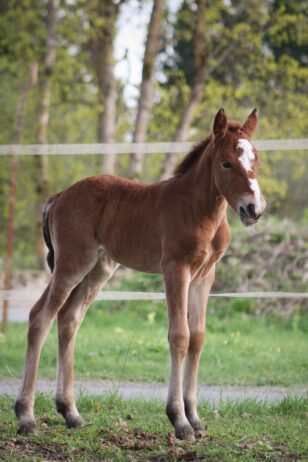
x=196, y=341
x=67, y=328
x=57, y=296
x=38, y=326
x=179, y=342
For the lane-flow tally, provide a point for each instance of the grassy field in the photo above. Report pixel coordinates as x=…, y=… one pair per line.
x=128, y=341
x=139, y=431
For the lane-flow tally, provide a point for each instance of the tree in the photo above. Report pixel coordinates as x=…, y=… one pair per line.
x=20, y=112
x=103, y=16
x=146, y=90
x=288, y=34
x=221, y=45
x=45, y=86
x=255, y=57
x=197, y=86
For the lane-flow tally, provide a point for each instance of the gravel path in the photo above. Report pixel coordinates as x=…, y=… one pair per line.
x=132, y=390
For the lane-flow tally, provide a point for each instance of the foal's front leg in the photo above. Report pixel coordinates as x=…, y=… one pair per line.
x=197, y=301
x=177, y=280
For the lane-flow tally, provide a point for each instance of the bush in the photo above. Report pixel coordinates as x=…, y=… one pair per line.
x=271, y=257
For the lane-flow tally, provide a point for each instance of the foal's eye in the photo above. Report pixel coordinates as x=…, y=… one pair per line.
x=226, y=165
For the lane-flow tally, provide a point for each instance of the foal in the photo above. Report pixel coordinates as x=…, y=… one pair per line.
x=177, y=227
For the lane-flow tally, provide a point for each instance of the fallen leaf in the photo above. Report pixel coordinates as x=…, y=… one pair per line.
x=122, y=424
x=171, y=439
x=246, y=415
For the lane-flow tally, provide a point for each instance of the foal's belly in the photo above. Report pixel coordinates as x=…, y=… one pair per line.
x=134, y=249
x=150, y=265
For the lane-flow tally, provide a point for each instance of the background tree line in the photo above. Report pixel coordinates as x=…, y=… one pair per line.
x=236, y=54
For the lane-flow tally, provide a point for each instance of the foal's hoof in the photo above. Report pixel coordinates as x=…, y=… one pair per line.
x=185, y=433
x=198, y=428
x=74, y=422
x=72, y=419
x=200, y=432
x=27, y=428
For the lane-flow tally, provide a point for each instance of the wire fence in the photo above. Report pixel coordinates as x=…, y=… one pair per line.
x=31, y=296
x=130, y=148
x=146, y=148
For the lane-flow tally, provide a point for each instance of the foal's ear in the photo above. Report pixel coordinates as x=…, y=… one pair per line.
x=220, y=123
x=251, y=124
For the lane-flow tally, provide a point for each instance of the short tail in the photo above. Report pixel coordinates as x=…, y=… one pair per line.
x=46, y=233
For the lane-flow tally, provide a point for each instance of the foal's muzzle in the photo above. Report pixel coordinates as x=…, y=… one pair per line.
x=248, y=214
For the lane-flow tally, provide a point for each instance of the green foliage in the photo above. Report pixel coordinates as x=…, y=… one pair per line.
x=269, y=258
x=22, y=33
x=256, y=55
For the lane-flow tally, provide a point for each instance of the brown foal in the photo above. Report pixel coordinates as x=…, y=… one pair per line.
x=177, y=227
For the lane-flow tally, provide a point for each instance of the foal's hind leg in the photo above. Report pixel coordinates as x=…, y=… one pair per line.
x=63, y=281
x=197, y=302
x=40, y=322
x=69, y=319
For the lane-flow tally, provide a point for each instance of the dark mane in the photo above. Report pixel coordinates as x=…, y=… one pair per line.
x=192, y=157
x=199, y=148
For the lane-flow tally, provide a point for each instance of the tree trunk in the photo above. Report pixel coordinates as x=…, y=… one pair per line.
x=41, y=162
x=102, y=45
x=107, y=99
x=12, y=191
x=146, y=91
x=182, y=130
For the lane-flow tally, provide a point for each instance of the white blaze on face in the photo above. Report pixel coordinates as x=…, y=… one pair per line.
x=254, y=186
x=248, y=156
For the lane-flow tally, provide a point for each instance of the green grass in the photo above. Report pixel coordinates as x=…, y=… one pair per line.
x=139, y=431
x=128, y=341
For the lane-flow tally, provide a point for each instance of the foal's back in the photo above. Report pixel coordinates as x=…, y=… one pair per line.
x=120, y=216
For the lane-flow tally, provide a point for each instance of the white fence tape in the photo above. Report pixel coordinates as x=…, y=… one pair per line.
x=128, y=148
x=29, y=295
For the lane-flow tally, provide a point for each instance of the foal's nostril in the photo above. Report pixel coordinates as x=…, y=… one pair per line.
x=251, y=210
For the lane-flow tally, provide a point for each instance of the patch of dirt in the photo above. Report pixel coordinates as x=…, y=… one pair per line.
x=176, y=454
x=130, y=440
x=138, y=446
x=26, y=448
x=266, y=450
x=133, y=441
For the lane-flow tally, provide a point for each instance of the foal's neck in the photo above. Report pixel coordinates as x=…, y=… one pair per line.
x=200, y=183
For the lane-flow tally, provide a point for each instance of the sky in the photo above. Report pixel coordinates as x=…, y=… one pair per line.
x=130, y=42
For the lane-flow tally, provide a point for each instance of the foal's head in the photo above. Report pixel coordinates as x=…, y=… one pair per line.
x=235, y=163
